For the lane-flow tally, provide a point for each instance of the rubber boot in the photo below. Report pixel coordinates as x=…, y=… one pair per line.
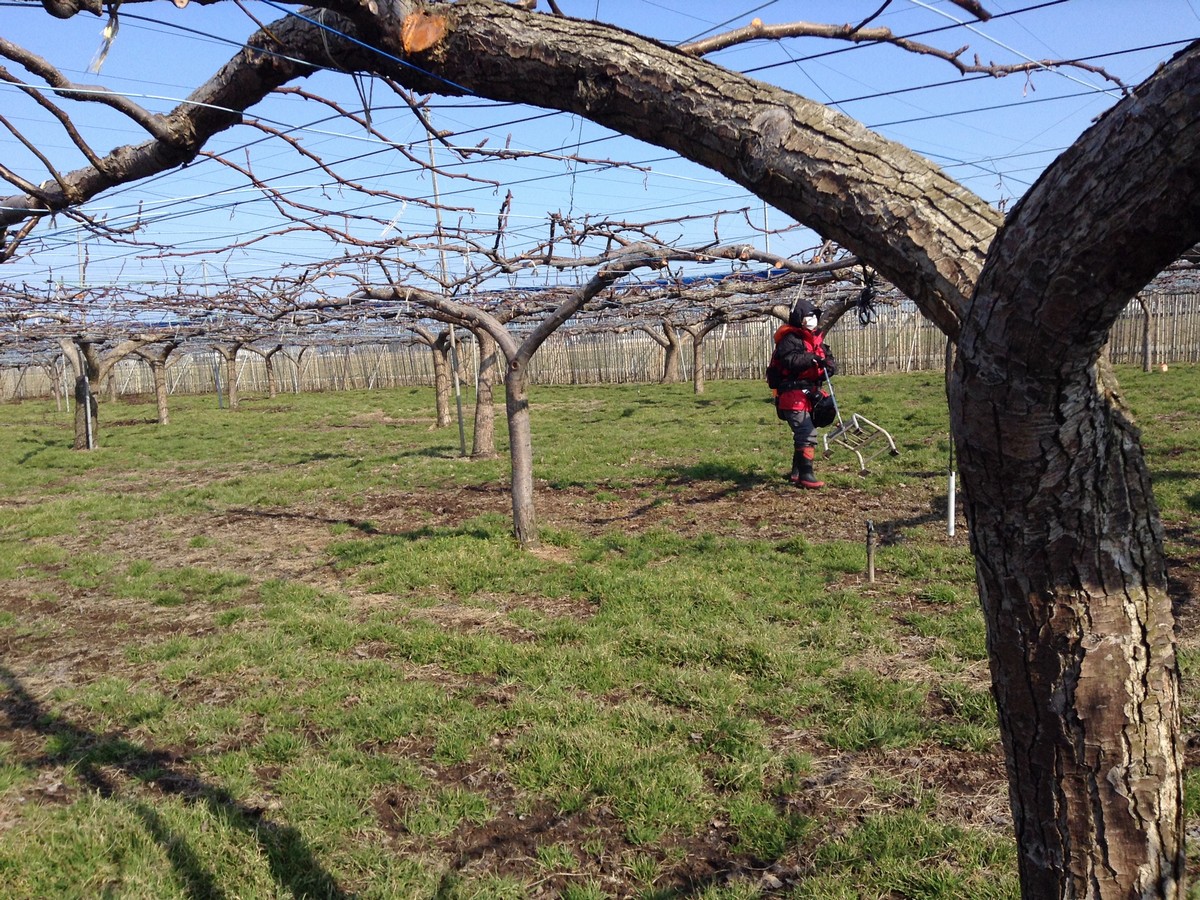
x=797, y=465
x=807, y=479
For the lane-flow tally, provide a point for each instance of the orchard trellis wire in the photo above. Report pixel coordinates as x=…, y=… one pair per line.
x=1166, y=330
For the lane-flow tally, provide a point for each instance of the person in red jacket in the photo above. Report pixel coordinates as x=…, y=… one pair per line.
x=798, y=367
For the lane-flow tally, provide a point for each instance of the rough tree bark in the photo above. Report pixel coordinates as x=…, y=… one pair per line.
x=1063, y=521
x=1063, y=524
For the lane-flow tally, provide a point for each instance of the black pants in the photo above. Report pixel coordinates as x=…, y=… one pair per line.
x=804, y=433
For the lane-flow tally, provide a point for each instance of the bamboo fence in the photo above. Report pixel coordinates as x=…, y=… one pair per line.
x=1166, y=330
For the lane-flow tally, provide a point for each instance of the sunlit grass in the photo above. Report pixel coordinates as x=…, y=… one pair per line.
x=605, y=709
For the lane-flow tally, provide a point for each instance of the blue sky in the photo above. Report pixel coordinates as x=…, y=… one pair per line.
x=995, y=136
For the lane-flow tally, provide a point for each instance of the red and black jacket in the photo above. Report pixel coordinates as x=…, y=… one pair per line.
x=798, y=364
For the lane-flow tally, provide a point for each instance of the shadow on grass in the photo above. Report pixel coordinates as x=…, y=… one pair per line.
x=323, y=456
x=443, y=452
x=365, y=552
x=888, y=530
x=41, y=447
x=491, y=847
x=717, y=471
x=1183, y=584
x=91, y=755
x=289, y=515
x=482, y=527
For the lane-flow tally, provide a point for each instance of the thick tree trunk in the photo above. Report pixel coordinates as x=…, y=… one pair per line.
x=231, y=385
x=484, y=438
x=672, y=370
x=84, y=356
x=1080, y=637
x=93, y=368
x=156, y=357
x=1064, y=526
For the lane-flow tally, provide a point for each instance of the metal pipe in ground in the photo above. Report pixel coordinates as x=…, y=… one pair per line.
x=870, y=551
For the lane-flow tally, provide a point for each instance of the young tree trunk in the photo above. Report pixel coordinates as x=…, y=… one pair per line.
x=56, y=388
x=698, y=362
x=228, y=353
x=298, y=368
x=158, y=367
x=87, y=436
x=521, y=453
x=1147, y=333
x=484, y=438
x=699, y=334
x=269, y=365
x=441, y=378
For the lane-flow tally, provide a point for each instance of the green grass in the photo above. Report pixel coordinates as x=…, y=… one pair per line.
x=388, y=698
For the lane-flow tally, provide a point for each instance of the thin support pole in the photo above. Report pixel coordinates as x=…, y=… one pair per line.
x=870, y=551
x=437, y=210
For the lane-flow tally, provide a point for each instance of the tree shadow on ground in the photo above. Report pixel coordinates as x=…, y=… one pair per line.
x=91, y=756
x=717, y=471
x=445, y=451
x=362, y=525
x=889, y=531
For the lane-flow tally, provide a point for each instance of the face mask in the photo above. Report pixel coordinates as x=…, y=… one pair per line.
x=809, y=322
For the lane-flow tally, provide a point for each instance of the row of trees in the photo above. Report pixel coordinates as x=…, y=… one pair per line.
x=1063, y=524
x=508, y=327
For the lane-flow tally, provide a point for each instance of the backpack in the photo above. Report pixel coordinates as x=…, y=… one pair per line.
x=824, y=409
x=776, y=374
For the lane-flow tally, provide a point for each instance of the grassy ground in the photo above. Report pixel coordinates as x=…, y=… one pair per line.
x=292, y=651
